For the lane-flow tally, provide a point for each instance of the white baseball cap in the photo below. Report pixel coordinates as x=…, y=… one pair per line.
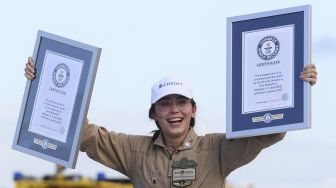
x=171, y=85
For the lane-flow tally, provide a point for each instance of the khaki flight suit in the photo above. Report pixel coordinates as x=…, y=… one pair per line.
x=201, y=161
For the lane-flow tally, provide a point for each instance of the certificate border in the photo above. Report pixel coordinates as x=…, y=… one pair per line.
x=230, y=132
x=95, y=52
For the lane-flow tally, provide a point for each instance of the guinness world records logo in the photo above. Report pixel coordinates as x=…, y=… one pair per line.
x=268, y=47
x=45, y=143
x=61, y=75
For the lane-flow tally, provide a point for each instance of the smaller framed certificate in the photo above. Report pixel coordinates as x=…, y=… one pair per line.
x=56, y=102
x=265, y=54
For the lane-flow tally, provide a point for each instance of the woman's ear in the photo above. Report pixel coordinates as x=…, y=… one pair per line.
x=193, y=111
x=153, y=116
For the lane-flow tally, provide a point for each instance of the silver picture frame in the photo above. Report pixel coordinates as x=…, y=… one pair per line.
x=243, y=120
x=55, y=103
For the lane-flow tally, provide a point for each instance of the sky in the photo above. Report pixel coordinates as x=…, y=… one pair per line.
x=144, y=41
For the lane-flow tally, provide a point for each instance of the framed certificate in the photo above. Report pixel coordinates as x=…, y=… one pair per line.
x=265, y=54
x=56, y=102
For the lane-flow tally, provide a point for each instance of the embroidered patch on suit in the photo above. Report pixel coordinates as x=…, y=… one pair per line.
x=184, y=172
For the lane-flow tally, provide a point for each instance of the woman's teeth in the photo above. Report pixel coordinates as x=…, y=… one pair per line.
x=175, y=120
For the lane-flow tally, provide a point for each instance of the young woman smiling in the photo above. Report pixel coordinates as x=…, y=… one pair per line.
x=175, y=156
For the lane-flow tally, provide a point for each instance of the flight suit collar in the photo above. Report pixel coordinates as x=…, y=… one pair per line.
x=187, y=143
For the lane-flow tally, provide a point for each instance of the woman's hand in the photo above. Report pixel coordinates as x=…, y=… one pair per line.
x=30, y=70
x=309, y=74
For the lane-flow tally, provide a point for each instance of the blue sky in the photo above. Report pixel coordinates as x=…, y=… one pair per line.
x=144, y=41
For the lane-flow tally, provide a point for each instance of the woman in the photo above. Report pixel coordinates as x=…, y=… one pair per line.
x=175, y=156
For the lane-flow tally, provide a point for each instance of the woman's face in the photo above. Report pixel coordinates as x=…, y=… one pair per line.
x=173, y=113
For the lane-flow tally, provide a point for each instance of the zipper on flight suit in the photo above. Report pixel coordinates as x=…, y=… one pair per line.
x=170, y=157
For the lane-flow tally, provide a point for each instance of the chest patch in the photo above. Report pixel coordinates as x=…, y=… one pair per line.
x=184, y=172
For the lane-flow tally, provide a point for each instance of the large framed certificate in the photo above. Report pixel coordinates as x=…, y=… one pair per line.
x=56, y=102
x=265, y=54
